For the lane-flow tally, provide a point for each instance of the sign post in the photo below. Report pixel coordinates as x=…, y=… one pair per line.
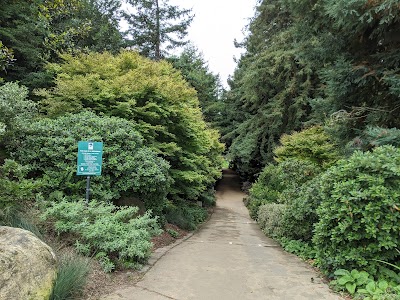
x=90, y=155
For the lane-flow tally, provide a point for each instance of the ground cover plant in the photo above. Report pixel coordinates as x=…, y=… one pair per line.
x=116, y=236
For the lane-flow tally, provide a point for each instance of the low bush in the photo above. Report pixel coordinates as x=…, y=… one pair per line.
x=280, y=183
x=185, y=215
x=359, y=216
x=270, y=219
x=15, y=188
x=116, y=235
x=301, y=213
x=15, y=110
x=300, y=248
x=173, y=233
x=71, y=277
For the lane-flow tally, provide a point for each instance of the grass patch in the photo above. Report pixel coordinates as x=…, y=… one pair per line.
x=71, y=277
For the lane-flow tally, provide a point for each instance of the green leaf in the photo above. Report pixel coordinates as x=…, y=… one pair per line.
x=345, y=279
x=341, y=272
x=351, y=288
x=371, y=287
x=383, y=285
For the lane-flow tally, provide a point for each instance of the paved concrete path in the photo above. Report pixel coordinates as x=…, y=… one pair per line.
x=229, y=258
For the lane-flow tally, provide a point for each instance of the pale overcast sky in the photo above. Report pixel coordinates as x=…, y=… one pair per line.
x=215, y=26
x=217, y=23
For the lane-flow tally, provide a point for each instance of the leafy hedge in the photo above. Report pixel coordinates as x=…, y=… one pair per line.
x=155, y=98
x=49, y=148
x=349, y=213
x=280, y=183
x=270, y=219
x=359, y=216
x=15, y=109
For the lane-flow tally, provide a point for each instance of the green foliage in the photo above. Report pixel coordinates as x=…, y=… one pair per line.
x=185, y=215
x=352, y=280
x=196, y=71
x=373, y=137
x=208, y=198
x=71, y=277
x=311, y=144
x=6, y=57
x=157, y=26
x=280, y=183
x=298, y=247
x=16, y=190
x=362, y=284
x=49, y=148
x=332, y=63
x=117, y=235
x=301, y=213
x=53, y=27
x=15, y=110
x=19, y=20
x=173, y=233
x=270, y=219
x=155, y=98
x=81, y=25
x=359, y=214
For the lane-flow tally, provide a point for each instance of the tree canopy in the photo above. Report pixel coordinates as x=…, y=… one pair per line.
x=157, y=26
x=155, y=97
x=333, y=63
x=53, y=27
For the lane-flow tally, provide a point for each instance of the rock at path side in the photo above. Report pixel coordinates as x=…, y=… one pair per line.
x=28, y=266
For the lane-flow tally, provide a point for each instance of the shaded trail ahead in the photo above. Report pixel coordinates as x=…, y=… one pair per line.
x=229, y=258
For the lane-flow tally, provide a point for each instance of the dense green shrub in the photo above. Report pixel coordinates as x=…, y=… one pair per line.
x=49, y=148
x=71, y=278
x=311, y=144
x=155, y=98
x=15, y=109
x=208, y=198
x=359, y=217
x=280, y=183
x=301, y=213
x=270, y=219
x=15, y=188
x=116, y=235
x=185, y=215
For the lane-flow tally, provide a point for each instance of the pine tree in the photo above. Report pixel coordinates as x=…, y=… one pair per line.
x=196, y=71
x=157, y=27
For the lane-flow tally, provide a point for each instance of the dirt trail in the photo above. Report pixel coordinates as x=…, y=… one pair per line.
x=229, y=258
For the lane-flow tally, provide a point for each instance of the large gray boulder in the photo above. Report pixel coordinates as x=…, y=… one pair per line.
x=28, y=267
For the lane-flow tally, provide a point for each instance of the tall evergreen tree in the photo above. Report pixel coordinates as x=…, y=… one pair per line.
x=195, y=70
x=156, y=26
x=331, y=62
x=53, y=27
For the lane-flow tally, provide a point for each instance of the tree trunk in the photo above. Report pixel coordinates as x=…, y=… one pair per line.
x=158, y=32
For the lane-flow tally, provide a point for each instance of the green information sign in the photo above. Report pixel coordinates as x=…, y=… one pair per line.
x=89, y=158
